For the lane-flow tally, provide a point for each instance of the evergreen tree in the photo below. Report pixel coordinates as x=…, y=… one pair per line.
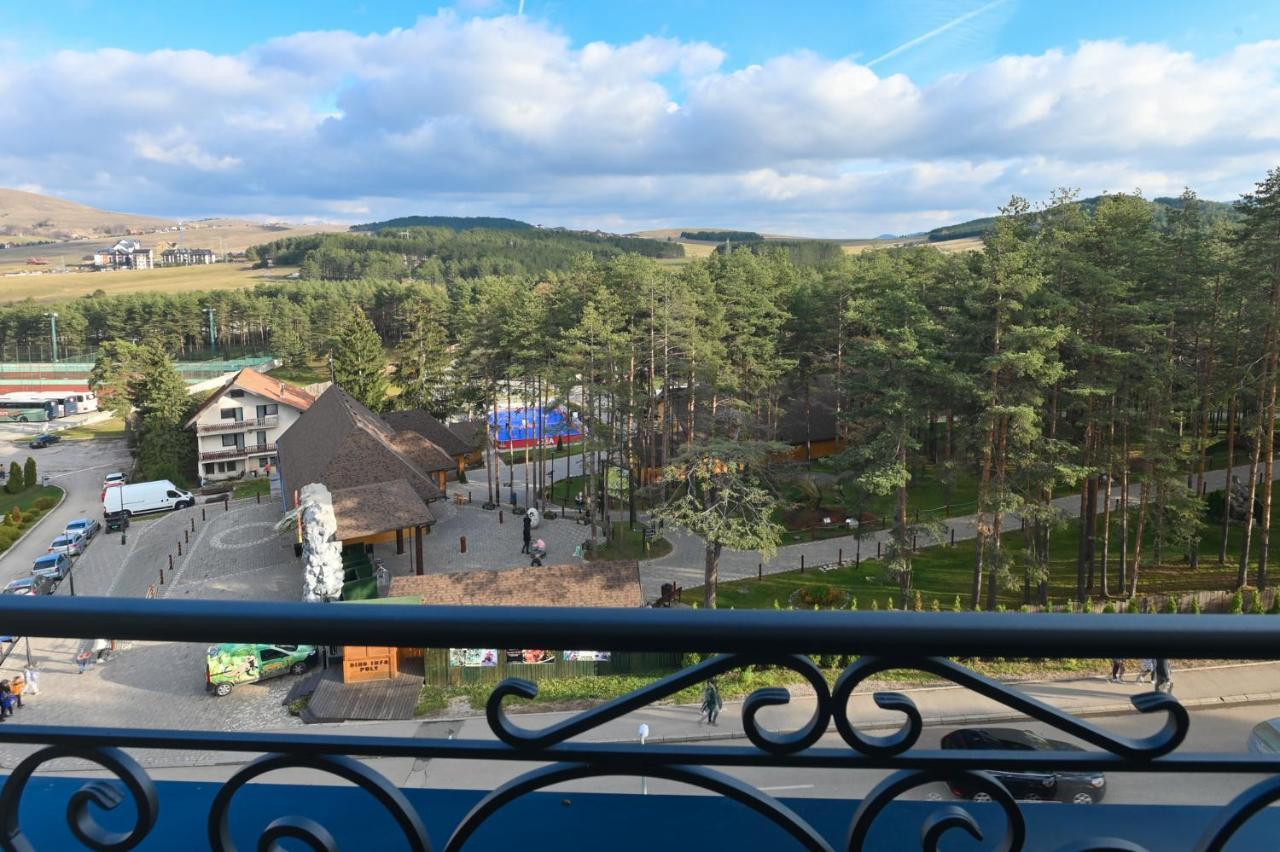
x=16, y=479
x=29, y=477
x=359, y=363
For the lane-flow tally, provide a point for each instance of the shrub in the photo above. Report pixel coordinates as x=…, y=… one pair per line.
x=1275, y=605
x=16, y=482
x=955, y=605
x=1256, y=609
x=918, y=604
x=1110, y=607
x=15, y=516
x=29, y=477
x=1237, y=602
x=875, y=604
x=1132, y=605
x=853, y=603
x=889, y=605
x=44, y=504
x=936, y=607
x=818, y=597
x=1195, y=604
x=1088, y=605
x=1171, y=605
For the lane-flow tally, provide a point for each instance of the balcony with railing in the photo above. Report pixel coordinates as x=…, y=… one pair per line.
x=531, y=784
x=238, y=425
x=238, y=452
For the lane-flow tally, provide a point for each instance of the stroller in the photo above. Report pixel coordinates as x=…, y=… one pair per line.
x=538, y=550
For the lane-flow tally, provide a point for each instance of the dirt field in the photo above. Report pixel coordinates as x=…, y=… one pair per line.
x=947, y=246
x=53, y=286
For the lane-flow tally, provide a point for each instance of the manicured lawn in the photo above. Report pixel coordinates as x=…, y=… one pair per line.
x=104, y=429
x=629, y=544
x=302, y=376
x=26, y=499
x=943, y=572
x=251, y=487
x=516, y=457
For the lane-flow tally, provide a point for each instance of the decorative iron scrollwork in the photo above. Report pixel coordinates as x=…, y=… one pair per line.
x=945, y=819
x=101, y=794
x=303, y=829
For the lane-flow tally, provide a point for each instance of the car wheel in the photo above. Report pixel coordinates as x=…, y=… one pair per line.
x=221, y=689
x=1082, y=798
x=298, y=668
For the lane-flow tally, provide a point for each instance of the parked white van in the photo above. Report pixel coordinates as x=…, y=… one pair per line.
x=139, y=498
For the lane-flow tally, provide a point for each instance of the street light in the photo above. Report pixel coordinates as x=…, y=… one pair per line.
x=53, y=331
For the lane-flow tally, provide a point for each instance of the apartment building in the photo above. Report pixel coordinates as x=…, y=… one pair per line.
x=238, y=426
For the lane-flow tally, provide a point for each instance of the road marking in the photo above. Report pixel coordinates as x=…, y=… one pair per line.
x=220, y=542
x=786, y=787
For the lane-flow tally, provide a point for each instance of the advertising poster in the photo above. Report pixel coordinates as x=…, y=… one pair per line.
x=473, y=657
x=587, y=656
x=528, y=655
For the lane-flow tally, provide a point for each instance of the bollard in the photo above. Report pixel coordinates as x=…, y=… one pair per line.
x=162, y=576
x=462, y=544
x=179, y=548
x=840, y=556
x=801, y=563
x=499, y=516
x=193, y=524
x=913, y=542
x=469, y=496
x=226, y=502
x=760, y=570
x=186, y=536
x=170, y=564
x=258, y=497
x=877, y=550
x=202, y=513
x=953, y=536
x=857, y=554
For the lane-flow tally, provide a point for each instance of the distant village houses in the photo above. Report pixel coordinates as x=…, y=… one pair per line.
x=183, y=256
x=125, y=254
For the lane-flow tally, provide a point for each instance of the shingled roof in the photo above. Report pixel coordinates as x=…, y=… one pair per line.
x=470, y=433
x=262, y=385
x=342, y=444
x=428, y=427
x=367, y=510
x=593, y=584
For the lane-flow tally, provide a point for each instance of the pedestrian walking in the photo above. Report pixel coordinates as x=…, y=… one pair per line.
x=1146, y=673
x=32, y=675
x=527, y=533
x=7, y=699
x=102, y=650
x=1164, y=678
x=578, y=501
x=513, y=499
x=18, y=685
x=83, y=659
x=711, y=702
x=1117, y=671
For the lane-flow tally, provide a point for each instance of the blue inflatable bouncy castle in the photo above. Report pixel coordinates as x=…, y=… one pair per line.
x=519, y=427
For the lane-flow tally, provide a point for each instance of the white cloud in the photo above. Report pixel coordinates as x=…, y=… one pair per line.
x=507, y=115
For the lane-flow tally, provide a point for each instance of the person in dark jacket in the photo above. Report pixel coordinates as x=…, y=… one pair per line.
x=1164, y=678
x=527, y=533
x=711, y=702
x=1117, y=670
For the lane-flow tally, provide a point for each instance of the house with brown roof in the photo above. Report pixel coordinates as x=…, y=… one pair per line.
x=381, y=479
x=473, y=435
x=440, y=435
x=238, y=426
x=588, y=584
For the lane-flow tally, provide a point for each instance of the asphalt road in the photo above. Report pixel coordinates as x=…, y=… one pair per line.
x=1225, y=730
x=77, y=467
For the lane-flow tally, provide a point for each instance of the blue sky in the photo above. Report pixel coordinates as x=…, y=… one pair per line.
x=844, y=118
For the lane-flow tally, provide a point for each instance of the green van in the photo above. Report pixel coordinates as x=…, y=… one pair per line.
x=231, y=665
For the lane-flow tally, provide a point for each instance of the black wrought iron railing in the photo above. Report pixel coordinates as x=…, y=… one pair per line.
x=927, y=642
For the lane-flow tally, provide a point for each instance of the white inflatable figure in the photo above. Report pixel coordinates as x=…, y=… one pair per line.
x=321, y=551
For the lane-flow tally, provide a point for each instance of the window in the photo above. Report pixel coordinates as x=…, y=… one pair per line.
x=172, y=494
x=269, y=654
x=268, y=410
x=264, y=462
x=232, y=440
x=236, y=414
x=209, y=467
x=233, y=466
x=262, y=438
x=236, y=393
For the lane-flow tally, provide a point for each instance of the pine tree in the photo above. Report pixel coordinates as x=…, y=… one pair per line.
x=359, y=363
x=17, y=481
x=29, y=478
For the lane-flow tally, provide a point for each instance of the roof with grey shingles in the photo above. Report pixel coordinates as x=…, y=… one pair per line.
x=470, y=432
x=592, y=584
x=342, y=444
x=428, y=427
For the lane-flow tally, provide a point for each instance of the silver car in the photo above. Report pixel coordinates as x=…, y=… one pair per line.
x=72, y=544
x=86, y=527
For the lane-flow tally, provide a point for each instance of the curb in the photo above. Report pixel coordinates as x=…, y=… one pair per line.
x=29, y=530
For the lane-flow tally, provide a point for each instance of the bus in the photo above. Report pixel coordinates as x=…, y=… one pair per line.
x=55, y=403
x=25, y=409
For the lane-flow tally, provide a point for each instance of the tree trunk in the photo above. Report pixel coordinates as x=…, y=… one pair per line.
x=1242, y=577
x=1148, y=469
x=712, y=574
x=1231, y=458
x=1264, y=541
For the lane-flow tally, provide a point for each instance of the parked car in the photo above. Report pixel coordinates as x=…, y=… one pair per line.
x=56, y=565
x=1081, y=788
x=230, y=665
x=86, y=527
x=45, y=439
x=36, y=584
x=71, y=544
x=116, y=478
x=140, y=498
x=1265, y=737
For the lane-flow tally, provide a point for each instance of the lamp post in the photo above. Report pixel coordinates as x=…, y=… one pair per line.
x=213, y=330
x=53, y=332
x=643, y=733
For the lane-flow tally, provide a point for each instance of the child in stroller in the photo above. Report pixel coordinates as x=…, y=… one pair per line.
x=538, y=550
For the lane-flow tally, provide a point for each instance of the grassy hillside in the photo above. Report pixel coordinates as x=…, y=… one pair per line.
x=54, y=287
x=31, y=215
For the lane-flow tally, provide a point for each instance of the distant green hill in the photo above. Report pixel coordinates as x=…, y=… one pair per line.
x=1214, y=211
x=456, y=223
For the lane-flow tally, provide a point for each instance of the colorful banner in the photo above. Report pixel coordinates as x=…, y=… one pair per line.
x=473, y=657
x=587, y=656
x=531, y=656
